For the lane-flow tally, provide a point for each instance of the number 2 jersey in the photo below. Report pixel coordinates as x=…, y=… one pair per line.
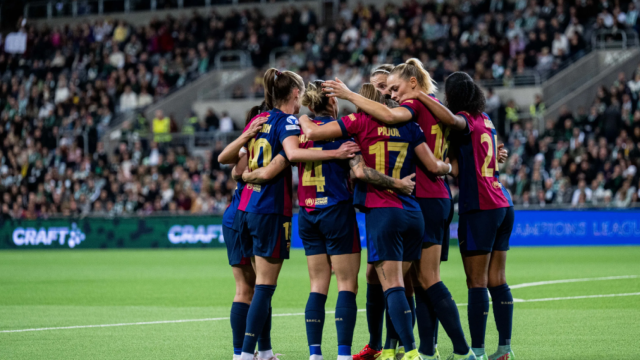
x=323, y=183
x=389, y=150
x=429, y=185
x=480, y=187
x=274, y=196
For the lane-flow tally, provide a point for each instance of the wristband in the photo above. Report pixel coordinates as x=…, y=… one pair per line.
x=450, y=169
x=242, y=151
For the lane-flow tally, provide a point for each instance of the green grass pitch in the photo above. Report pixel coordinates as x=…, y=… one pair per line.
x=42, y=289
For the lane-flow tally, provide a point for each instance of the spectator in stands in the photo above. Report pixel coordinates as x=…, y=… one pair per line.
x=128, y=99
x=161, y=126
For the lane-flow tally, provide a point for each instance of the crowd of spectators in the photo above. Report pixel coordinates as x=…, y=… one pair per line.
x=587, y=157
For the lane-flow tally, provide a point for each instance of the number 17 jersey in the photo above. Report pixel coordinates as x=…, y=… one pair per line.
x=388, y=149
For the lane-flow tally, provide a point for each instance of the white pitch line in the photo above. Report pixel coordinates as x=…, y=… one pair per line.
x=281, y=315
x=539, y=283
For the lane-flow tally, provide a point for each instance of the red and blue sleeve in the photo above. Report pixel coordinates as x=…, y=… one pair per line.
x=350, y=124
x=467, y=118
x=418, y=135
x=412, y=106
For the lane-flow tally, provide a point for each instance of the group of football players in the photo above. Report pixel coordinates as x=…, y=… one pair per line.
x=388, y=160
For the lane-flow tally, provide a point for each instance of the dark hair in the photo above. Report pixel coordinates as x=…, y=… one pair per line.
x=462, y=94
x=254, y=111
x=278, y=86
x=315, y=98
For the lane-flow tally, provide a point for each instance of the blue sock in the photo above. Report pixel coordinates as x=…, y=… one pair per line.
x=238, y=325
x=375, y=315
x=477, y=311
x=391, y=338
x=314, y=318
x=264, y=340
x=346, y=313
x=257, y=316
x=427, y=322
x=400, y=314
x=447, y=312
x=503, y=312
x=412, y=306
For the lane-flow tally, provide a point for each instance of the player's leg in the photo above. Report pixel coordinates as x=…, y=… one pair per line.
x=319, y=267
x=375, y=316
x=271, y=244
x=408, y=293
x=245, y=279
x=346, y=268
x=500, y=291
x=320, y=276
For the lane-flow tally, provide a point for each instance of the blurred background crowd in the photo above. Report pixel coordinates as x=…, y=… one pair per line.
x=73, y=81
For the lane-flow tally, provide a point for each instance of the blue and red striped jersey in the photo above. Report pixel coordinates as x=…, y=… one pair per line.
x=388, y=149
x=323, y=183
x=273, y=197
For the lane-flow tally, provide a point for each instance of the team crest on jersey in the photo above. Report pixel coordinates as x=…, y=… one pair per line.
x=488, y=124
x=310, y=202
x=352, y=117
x=497, y=185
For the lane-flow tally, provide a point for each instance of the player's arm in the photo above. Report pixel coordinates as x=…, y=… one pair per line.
x=364, y=173
x=315, y=132
x=379, y=111
x=241, y=165
x=455, y=170
x=264, y=174
x=429, y=160
x=230, y=153
x=291, y=147
x=440, y=111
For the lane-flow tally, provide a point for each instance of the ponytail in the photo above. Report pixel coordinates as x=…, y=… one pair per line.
x=278, y=86
x=413, y=68
x=314, y=98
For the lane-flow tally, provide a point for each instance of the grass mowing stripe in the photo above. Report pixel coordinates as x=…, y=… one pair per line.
x=282, y=315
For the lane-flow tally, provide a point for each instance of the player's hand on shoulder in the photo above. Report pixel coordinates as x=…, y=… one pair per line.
x=347, y=150
x=255, y=126
x=406, y=185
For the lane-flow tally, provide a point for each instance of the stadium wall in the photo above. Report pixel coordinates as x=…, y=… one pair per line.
x=531, y=228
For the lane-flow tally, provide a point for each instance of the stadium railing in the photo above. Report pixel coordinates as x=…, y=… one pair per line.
x=53, y=9
x=193, y=143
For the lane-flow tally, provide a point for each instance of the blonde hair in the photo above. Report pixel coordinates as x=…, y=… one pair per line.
x=370, y=92
x=278, y=86
x=413, y=68
x=314, y=98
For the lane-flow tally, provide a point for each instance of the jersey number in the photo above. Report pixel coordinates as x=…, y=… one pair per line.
x=441, y=145
x=377, y=149
x=255, y=145
x=486, y=170
x=317, y=179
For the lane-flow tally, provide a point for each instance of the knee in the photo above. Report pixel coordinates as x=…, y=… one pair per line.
x=497, y=280
x=477, y=282
x=244, y=294
x=372, y=276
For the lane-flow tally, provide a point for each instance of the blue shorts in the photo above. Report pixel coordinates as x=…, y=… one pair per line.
x=486, y=230
x=393, y=234
x=264, y=235
x=234, y=247
x=332, y=230
x=437, y=215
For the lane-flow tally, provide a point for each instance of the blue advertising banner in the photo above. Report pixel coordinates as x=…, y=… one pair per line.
x=552, y=228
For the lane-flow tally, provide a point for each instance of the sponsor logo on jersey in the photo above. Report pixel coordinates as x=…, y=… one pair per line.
x=190, y=234
x=47, y=236
x=317, y=201
x=292, y=127
x=352, y=117
x=385, y=131
x=254, y=187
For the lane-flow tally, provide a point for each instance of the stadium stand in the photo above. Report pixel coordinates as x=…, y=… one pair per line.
x=58, y=99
